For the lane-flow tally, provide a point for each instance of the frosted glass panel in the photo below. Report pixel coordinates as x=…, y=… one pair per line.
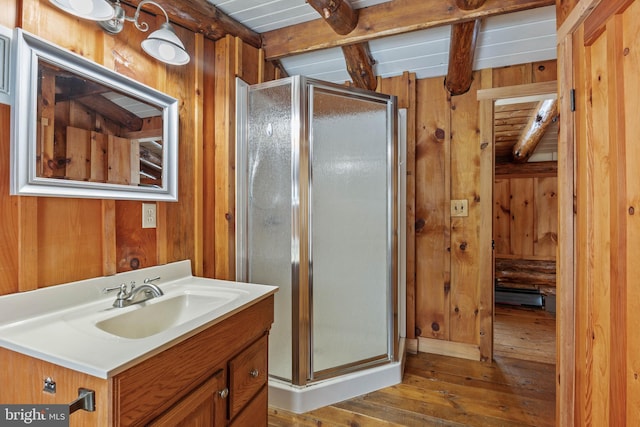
x=269, y=212
x=349, y=230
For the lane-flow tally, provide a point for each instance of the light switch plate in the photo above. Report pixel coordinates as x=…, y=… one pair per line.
x=148, y=215
x=459, y=208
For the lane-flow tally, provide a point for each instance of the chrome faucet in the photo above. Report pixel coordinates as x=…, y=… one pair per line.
x=136, y=295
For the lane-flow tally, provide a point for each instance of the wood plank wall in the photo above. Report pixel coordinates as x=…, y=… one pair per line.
x=46, y=241
x=605, y=70
x=453, y=295
x=525, y=219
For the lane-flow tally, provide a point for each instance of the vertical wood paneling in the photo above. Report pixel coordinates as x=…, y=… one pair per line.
x=208, y=153
x=512, y=75
x=521, y=208
x=183, y=83
x=565, y=328
x=606, y=238
x=544, y=71
x=545, y=202
x=9, y=231
x=224, y=193
x=502, y=216
x=599, y=219
x=583, y=358
x=485, y=198
x=618, y=205
x=433, y=283
x=629, y=207
x=69, y=240
x=525, y=222
x=465, y=231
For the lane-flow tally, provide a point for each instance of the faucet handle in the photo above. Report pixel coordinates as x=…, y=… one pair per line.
x=122, y=287
x=122, y=290
x=151, y=280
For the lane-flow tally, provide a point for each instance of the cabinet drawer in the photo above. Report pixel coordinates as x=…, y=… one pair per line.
x=247, y=375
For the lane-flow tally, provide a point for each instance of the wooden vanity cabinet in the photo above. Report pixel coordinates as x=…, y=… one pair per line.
x=188, y=376
x=217, y=377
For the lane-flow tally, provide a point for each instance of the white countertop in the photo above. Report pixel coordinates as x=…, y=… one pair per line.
x=47, y=323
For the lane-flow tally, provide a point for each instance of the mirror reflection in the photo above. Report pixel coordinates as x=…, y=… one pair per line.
x=90, y=132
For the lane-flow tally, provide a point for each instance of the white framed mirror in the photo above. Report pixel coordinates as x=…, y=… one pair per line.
x=82, y=130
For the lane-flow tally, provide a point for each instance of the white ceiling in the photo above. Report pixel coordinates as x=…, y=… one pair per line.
x=509, y=39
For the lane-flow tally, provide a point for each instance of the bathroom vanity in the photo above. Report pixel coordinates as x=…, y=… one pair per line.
x=202, y=360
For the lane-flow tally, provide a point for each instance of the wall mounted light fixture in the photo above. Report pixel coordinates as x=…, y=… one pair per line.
x=162, y=44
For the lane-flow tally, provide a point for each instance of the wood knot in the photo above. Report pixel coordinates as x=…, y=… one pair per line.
x=440, y=134
x=625, y=52
x=134, y=263
x=420, y=223
x=435, y=326
x=463, y=246
x=631, y=210
x=228, y=216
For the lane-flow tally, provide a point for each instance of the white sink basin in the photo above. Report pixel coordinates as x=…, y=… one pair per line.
x=76, y=326
x=180, y=304
x=159, y=314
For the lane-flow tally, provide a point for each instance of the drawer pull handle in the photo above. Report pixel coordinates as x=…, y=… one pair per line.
x=223, y=393
x=254, y=373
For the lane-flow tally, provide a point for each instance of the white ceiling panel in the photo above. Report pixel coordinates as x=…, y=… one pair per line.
x=262, y=16
x=508, y=39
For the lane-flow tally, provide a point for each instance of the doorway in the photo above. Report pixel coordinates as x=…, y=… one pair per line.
x=524, y=225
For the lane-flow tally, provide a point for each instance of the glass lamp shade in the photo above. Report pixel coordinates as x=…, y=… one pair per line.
x=95, y=10
x=164, y=45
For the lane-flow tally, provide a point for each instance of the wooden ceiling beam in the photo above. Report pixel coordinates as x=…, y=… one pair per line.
x=343, y=18
x=200, y=16
x=339, y=14
x=469, y=4
x=385, y=19
x=546, y=113
x=360, y=65
x=462, y=49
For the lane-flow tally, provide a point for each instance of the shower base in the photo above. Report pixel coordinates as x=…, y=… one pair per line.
x=301, y=399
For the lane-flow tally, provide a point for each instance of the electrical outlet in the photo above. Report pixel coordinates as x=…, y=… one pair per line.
x=460, y=207
x=148, y=215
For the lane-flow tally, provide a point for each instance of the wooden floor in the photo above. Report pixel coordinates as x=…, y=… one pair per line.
x=445, y=391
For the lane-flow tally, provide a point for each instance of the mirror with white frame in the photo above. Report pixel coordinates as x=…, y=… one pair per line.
x=82, y=130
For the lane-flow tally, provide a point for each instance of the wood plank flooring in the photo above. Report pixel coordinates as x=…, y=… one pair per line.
x=446, y=391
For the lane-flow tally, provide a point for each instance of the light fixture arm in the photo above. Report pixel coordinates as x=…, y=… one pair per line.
x=143, y=26
x=115, y=25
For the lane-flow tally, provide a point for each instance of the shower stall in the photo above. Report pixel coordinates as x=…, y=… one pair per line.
x=317, y=215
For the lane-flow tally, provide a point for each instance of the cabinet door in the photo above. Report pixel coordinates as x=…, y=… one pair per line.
x=204, y=406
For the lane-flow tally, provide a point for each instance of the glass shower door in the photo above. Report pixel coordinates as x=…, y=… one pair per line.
x=350, y=230
x=265, y=187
